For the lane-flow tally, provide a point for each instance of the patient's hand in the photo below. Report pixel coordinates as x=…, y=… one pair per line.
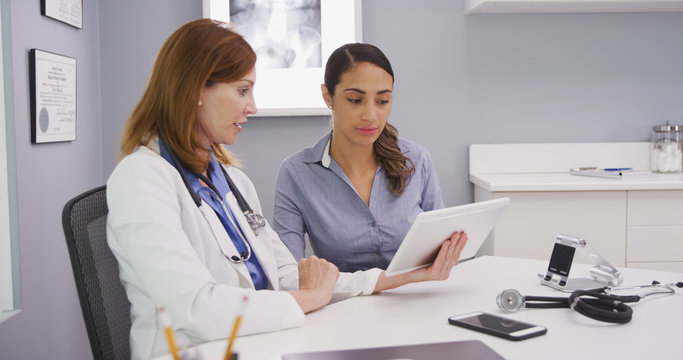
x=446, y=259
x=317, y=278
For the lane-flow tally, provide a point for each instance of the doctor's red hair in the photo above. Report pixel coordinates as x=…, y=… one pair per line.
x=200, y=53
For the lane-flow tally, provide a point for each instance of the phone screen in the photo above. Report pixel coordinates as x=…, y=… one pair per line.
x=561, y=259
x=497, y=325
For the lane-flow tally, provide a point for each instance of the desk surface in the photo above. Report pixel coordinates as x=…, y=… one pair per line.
x=418, y=313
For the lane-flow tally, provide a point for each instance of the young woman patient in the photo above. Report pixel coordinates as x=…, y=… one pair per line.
x=357, y=191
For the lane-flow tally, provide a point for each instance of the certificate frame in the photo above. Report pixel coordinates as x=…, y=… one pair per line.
x=296, y=91
x=69, y=12
x=52, y=80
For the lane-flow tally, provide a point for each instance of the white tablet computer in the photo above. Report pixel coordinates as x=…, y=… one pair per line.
x=430, y=228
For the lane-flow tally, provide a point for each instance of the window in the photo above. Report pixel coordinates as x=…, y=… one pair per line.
x=9, y=267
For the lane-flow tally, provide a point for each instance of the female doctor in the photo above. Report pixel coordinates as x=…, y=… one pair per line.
x=178, y=226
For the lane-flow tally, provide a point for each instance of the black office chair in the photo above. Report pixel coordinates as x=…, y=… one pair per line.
x=106, y=309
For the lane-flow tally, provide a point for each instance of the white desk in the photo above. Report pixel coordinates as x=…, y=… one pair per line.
x=417, y=313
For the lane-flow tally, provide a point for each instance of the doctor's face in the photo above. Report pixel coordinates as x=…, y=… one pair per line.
x=361, y=104
x=223, y=109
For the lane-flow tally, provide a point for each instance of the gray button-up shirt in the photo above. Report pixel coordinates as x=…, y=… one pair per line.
x=315, y=197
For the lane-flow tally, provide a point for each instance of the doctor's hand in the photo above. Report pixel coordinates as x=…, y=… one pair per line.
x=446, y=259
x=317, y=278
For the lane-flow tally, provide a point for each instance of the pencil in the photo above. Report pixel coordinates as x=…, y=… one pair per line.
x=166, y=322
x=238, y=319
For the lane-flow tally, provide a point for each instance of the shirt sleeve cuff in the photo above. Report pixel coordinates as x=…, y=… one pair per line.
x=296, y=316
x=361, y=282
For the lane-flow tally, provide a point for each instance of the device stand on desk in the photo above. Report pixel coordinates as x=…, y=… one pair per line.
x=557, y=277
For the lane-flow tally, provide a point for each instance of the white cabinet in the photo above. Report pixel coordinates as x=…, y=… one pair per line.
x=528, y=227
x=632, y=222
x=570, y=6
x=654, y=234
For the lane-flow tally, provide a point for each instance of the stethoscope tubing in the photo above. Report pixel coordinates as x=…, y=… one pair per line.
x=591, y=303
x=546, y=304
x=234, y=258
x=659, y=289
x=255, y=221
x=602, y=307
x=549, y=299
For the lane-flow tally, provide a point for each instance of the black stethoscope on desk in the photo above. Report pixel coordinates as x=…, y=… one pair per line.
x=256, y=221
x=599, y=304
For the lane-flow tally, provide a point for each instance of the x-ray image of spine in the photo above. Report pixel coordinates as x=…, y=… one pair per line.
x=284, y=33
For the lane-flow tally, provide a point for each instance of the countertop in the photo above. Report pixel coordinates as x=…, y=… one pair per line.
x=567, y=182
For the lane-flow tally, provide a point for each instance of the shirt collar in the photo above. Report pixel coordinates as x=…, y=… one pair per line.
x=326, y=154
x=213, y=172
x=320, y=152
x=216, y=175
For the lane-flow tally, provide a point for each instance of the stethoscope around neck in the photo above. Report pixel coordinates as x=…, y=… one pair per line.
x=256, y=221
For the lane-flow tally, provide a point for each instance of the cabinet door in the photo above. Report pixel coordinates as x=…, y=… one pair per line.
x=675, y=266
x=660, y=207
x=528, y=227
x=655, y=230
x=655, y=243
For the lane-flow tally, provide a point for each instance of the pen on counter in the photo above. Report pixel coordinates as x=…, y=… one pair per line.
x=584, y=168
x=166, y=322
x=617, y=169
x=238, y=319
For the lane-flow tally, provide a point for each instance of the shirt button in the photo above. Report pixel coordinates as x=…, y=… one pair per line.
x=378, y=253
x=374, y=223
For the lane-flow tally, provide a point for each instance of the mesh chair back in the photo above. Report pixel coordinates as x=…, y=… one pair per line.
x=105, y=307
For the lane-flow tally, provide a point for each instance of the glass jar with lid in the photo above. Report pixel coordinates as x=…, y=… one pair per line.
x=666, y=153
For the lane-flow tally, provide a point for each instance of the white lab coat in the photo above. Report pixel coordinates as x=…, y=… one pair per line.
x=168, y=257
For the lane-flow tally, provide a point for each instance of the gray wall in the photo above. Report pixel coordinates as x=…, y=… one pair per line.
x=51, y=324
x=524, y=78
x=501, y=79
x=132, y=32
x=459, y=80
x=481, y=79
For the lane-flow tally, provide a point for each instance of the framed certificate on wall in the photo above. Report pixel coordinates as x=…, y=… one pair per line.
x=52, y=79
x=67, y=11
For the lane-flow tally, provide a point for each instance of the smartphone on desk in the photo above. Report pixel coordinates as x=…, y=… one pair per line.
x=497, y=325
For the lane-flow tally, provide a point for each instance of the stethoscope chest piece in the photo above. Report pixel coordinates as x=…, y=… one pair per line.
x=510, y=300
x=256, y=221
